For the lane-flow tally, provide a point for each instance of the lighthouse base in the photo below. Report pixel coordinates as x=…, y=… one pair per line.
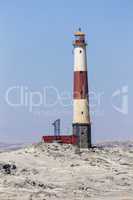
x=83, y=132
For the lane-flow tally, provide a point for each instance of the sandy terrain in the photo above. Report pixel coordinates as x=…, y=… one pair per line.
x=51, y=172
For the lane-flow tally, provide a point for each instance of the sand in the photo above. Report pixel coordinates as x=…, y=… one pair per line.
x=54, y=171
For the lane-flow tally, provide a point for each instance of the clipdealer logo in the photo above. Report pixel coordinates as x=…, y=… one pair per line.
x=122, y=95
x=49, y=97
x=22, y=96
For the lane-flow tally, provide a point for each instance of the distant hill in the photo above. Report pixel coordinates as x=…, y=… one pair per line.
x=10, y=146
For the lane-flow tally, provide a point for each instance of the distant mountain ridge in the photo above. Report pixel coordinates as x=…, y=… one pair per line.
x=10, y=146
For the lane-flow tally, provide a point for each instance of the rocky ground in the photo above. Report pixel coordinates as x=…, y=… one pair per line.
x=53, y=171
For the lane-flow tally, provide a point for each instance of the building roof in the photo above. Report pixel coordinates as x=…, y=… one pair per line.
x=79, y=33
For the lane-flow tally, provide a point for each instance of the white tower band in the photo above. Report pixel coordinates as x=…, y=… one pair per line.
x=81, y=116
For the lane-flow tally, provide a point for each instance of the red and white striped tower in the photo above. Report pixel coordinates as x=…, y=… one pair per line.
x=81, y=116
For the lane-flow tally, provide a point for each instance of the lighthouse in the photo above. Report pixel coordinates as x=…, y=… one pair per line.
x=81, y=114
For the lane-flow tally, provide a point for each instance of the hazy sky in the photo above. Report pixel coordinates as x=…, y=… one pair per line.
x=36, y=53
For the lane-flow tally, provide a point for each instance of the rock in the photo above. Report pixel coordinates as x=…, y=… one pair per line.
x=7, y=168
